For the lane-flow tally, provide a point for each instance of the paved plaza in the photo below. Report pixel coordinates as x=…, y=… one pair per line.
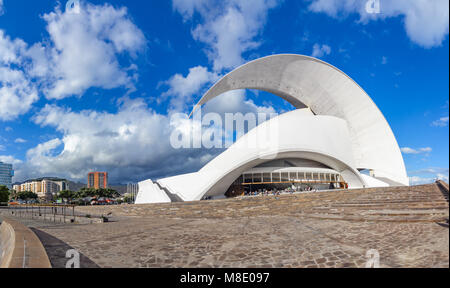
x=408, y=226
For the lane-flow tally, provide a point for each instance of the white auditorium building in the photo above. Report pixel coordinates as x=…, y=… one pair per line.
x=337, y=137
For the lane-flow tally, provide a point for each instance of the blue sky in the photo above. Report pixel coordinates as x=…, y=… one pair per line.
x=94, y=90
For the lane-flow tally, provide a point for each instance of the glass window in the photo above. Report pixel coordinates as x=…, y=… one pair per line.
x=248, y=178
x=257, y=178
x=266, y=178
x=293, y=176
x=284, y=177
x=301, y=176
x=276, y=177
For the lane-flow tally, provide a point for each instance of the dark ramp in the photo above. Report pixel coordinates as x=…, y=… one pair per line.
x=56, y=251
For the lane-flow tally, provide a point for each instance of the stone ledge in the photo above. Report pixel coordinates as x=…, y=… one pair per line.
x=443, y=184
x=21, y=247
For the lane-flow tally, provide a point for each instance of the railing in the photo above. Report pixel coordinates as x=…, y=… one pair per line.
x=49, y=213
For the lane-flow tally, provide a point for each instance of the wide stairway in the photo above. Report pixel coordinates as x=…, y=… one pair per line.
x=425, y=203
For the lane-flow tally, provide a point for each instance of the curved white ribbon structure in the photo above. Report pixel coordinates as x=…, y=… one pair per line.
x=345, y=131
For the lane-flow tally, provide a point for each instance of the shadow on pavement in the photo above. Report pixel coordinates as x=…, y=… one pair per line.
x=56, y=251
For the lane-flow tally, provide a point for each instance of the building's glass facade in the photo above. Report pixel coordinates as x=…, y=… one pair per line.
x=288, y=177
x=6, y=174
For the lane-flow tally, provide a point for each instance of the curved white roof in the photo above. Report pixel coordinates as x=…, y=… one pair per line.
x=272, y=140
x=308, y=82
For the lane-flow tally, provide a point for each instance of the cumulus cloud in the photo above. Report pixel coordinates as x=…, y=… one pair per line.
x=320, y=50
x=236, y=101
x=10, y=160
x=426, y=22
x=187, y=7
x=132, y=144
x=20, y=141
x=17, y=93
x=181, y=89
x=83, y=51
x=429, y=175
x=442, y=122
x=407, y=150
x=228, y=27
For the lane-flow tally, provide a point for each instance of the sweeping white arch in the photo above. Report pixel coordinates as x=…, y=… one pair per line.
x=308, y=82
x=341, y=128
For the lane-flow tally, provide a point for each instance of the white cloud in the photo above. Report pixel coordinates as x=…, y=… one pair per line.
x=20, y=141
x=83, y=51
x=442, y=122
x=407, y=150
x=181, y=88
x=428, y=175
x=320, y=50
x=2, y=9
x=10, y=160
x=384, y=60
x=17, y=93
x=2, y=148
x=426, y=22
x=132, y=144
x=187, y=7
x=417, y=180
x=228, y=27
x=235, y=101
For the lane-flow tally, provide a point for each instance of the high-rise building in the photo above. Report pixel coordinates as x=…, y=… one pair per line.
x=6, y=174
x=97, y=180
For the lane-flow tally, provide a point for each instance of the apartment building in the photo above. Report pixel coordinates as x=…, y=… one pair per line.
x=45, y=188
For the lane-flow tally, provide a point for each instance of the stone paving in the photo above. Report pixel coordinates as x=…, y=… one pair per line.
x=256, y=242
x=407, y=226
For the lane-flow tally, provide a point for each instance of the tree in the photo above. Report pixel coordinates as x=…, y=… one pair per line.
x=86, y=192
x=27, y=195
x=4, y=195
x=13, y=195
x=66, y=194
x=99, y=193
x=128, y=199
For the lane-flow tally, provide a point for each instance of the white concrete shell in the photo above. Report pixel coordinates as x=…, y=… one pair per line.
x=305, y=81
x=345, y=132
x=152, y=194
